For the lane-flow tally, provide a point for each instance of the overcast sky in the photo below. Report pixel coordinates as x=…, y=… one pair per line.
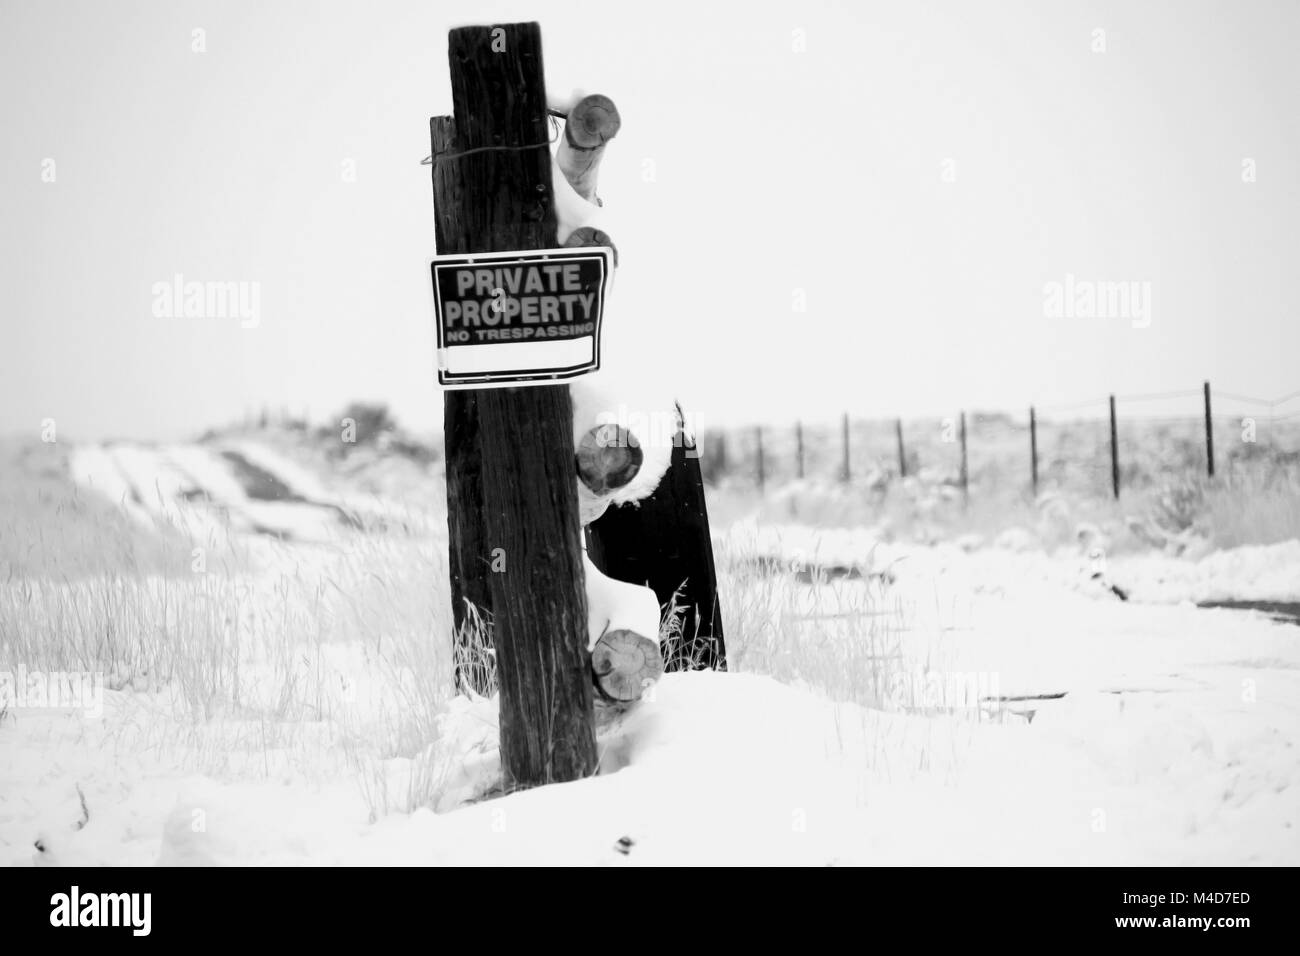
x=914, y=175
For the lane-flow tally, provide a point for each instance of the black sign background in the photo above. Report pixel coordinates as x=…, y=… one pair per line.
x=593, y=278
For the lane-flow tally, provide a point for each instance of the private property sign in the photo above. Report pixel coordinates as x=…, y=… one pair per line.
x=512, y=318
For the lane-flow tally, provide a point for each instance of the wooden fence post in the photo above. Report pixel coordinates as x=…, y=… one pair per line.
x=758, y=440
x=902, y=457
x=848, y=471
x=965, y=473
x=1033, y=450
x=798, y=448
x=512, y=500
x=1114, y=450
x=1209, y=434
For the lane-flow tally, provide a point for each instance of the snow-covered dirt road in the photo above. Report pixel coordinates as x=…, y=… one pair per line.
x=208, y=490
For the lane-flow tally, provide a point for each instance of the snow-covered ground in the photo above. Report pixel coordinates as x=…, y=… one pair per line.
x=1250, y=573
x=1038, y=719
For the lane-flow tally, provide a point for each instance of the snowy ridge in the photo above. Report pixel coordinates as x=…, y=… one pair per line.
x=198, y=489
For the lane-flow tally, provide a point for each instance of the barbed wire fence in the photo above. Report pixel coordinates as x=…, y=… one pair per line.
x=1103, y=445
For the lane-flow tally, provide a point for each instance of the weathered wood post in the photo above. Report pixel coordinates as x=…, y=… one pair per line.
x=798, y=449
x=1033, y=450
x=758, y=451
x=902, y=455
x=512, y=505
x=965, y=472
x=1209, y=435
x=1114, y=450
x=847, y=472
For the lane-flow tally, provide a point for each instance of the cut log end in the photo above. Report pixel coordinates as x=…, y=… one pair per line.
x=593, y=122
x=624, y=663
x=589, y=236
x=609, y=456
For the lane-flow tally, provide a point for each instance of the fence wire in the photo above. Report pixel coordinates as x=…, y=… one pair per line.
x=1159, y=436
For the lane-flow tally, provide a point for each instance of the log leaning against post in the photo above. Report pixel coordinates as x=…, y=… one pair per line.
x=592, y=122
x=589, y=125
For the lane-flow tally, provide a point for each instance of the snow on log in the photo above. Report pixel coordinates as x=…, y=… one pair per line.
x=623, y=630
x=616, y=605
x=623, y=626
x=577, y=222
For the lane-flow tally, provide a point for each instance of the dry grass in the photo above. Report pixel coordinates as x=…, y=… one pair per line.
x=1251, y=510
x=320, y=653
x=1241, y=508
x=838, y=636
